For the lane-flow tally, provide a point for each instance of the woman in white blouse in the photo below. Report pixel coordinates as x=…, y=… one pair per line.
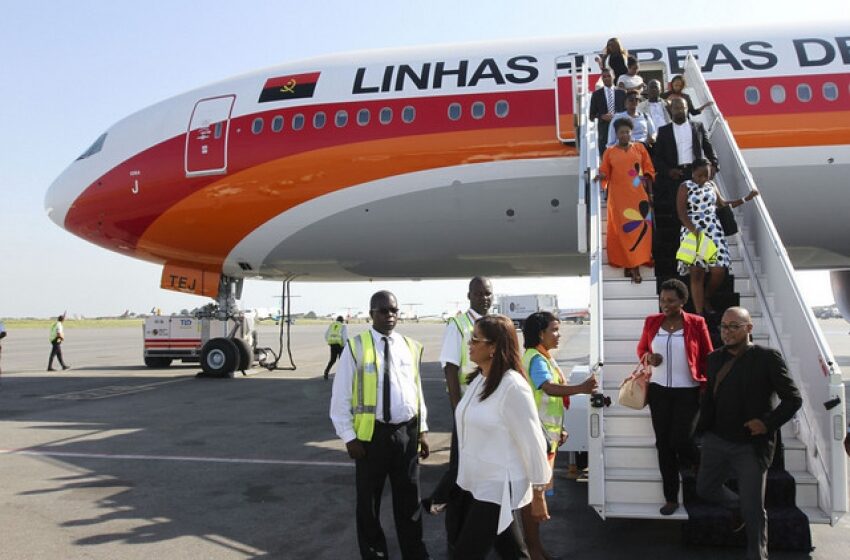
x=677, y=345
x=502, y=461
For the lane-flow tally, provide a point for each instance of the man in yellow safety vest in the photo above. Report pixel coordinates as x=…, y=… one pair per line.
x=57, y=336
x=335, y=336
x=378, y=410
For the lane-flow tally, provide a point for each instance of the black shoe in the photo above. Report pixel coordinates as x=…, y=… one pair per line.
x=51, y=369
x=737, y=523
x=66, y=367
x=669, y=508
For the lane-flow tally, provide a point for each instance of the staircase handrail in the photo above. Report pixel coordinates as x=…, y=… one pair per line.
x=791, y=323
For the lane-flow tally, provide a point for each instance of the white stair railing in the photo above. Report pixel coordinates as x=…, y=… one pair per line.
x=590, y=226
x=791, y=324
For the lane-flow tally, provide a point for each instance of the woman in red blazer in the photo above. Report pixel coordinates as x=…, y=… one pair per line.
x=678, y=344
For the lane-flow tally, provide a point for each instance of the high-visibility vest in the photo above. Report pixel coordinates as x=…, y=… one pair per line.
x=334, y=333
x=550, y=409
x=464, y=324
x=694, y=246
x=54, y=331
x=364, y=390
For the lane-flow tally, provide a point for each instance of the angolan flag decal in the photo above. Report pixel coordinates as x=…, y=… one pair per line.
x=295, y=86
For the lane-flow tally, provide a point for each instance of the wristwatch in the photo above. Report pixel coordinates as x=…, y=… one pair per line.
x=538, y=487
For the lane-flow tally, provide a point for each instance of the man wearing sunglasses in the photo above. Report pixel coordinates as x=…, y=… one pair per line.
x=740, y=424
x=378, y=410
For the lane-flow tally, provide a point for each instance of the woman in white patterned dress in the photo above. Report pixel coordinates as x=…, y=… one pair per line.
x=696, y=203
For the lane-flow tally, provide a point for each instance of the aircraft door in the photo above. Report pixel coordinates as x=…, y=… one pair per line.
x=564, y=106
x=206, y=138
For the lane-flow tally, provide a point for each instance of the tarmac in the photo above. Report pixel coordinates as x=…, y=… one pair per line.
x=114, y=460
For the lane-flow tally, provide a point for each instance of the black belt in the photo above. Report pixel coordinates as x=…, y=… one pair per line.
x=391, y=426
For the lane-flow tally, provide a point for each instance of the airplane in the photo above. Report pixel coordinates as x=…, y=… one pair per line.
x=440, y=162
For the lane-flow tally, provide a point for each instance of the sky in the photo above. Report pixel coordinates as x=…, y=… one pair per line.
x=70, y=69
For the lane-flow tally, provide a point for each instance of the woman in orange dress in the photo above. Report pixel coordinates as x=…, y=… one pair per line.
x=627, y=173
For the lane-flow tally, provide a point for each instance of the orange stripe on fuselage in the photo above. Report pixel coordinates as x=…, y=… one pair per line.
x=210, y=222
x=796, y=129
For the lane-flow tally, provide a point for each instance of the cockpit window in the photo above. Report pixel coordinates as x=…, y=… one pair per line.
x=94, y=148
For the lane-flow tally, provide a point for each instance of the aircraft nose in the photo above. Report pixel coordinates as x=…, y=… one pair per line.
x=59, y=198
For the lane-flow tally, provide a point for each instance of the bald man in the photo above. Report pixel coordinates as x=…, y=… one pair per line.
x=740, y=424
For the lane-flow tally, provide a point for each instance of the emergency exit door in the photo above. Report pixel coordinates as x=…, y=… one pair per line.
x=206, y=138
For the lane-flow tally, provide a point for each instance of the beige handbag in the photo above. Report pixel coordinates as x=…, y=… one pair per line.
x=634, y=388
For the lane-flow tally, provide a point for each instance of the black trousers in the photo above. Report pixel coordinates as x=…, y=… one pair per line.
x=55, y=351
x=674, y=415
x=336, y=352
x=477, y=534
x=393, y=453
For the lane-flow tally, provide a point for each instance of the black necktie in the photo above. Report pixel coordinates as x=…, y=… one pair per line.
x=387, y=415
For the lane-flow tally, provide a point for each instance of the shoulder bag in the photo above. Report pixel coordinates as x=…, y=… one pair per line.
x=633, y=390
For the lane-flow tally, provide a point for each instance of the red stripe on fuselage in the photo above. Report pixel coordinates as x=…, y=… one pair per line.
x=107, y=213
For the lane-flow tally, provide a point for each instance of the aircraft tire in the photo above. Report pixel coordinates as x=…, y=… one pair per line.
x=157, y=362
x=219, y=357
x=246, y=354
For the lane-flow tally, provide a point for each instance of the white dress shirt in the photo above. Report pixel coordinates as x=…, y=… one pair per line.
x=501, y=445
x=657, y=110
x=684, y=142
x=404, y=392
x=674, y=371
x=453, y=341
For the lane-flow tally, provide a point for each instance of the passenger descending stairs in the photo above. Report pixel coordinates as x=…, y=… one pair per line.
x=631, y=464
x=624, y=479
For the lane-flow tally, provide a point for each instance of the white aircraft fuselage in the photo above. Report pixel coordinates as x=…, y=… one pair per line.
x=438, y=162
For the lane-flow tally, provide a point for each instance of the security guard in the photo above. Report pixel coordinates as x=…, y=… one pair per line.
x=335, y=336
x=378, y=410
x=454, y=358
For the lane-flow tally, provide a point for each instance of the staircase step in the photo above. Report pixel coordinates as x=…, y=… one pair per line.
x=641, y=511
x=624, y=344
x=628, y=307
x=623, y=326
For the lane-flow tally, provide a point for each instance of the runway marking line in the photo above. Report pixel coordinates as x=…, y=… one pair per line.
x=184, y=458
x=110, y=391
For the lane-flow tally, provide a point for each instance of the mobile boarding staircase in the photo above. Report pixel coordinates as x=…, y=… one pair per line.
x=624, y=480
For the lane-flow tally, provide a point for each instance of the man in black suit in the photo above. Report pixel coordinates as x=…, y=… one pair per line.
x=604, y=102
x=677, y=145
x=740, y=424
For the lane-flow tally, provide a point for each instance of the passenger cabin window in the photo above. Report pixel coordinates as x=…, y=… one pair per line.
x=777, y=94
x=277, y=124
x=386, y=115
x=408, y=114
x=341, y=118
x=804, y=92
x=298, y=122
x=218, y=129
x=752, y=95
x=363, y=117
x=94, y=148
x=257, y=125
x=830, y=91
x=319, y=120
x=478, y=110
x=502, y=108
x=454, y=111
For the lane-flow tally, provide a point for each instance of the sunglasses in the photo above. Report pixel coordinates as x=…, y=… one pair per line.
x=732, y=326
x=475, y=340
x=386, y=310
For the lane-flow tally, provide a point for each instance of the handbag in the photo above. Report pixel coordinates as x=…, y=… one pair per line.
x=727, y=220
x=633, y=390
